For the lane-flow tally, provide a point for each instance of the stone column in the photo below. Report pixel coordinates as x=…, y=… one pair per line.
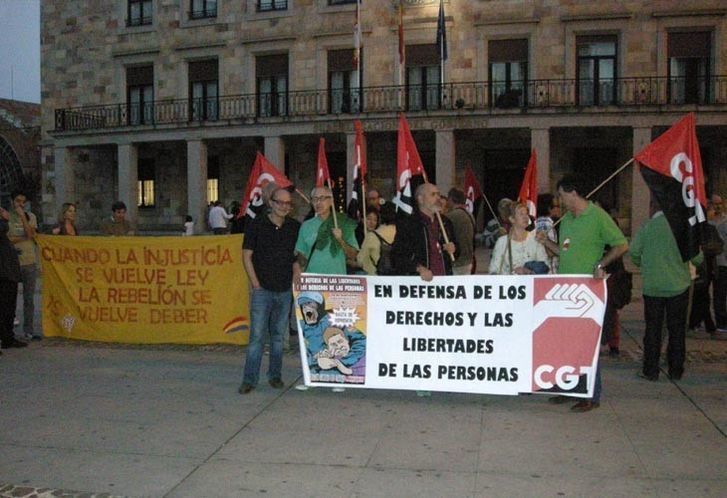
x=540, y=141
x=639, y=190
x=65, y=181
x=128, y=162
x=445, y=157
x=275, y=151
x=197, y=181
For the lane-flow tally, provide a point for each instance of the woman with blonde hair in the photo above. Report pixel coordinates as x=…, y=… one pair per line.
x=518, y=253
x=66, y=220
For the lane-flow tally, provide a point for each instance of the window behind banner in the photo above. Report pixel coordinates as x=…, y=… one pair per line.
x=139, y=12
x=271, y=73
x=203, y=90
x=145, y=184
x=213, y=179
x=140, y=95
x=508, y=72
x=689, y=67
x=271, y=5
x=596, y=69
x=343, y=82
x=423, y=85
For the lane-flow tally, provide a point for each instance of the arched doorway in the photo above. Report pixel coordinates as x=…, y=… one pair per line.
x=11, y=174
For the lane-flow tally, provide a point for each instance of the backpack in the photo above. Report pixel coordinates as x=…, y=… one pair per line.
x=385, y=265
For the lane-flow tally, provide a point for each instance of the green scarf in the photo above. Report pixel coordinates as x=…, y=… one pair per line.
x=325, y=235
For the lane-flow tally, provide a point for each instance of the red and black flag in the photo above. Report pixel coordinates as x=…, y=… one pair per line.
x=263, y=172
x=472, y=192
x=672, y=168
x=354, y=210
x=408, y=167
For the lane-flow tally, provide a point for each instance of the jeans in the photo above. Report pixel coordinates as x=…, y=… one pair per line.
x=675, y=309
x=28, y=275
x=720, y=297
x=269, y=314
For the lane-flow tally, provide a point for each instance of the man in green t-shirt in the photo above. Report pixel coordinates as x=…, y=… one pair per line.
x=585, y=231
x=22, y=227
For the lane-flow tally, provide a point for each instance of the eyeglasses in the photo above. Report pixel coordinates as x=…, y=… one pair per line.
x=321, y=198
x=283, y=203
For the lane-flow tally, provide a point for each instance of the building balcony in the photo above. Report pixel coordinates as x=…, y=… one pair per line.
x=645, y=94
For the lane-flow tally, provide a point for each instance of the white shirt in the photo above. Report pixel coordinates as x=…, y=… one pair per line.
x=218, y=217
x=189, y=228
x=522, y=252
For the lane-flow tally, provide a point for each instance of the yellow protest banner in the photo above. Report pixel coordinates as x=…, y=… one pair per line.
x=183, y=290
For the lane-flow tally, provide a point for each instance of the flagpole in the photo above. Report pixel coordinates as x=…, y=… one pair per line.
x=297, y=190
x=439, y=219
x=489, y=206
x=604, y=182
x=333, y=207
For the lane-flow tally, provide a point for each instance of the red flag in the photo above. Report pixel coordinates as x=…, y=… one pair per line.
x=323, y=177
x=472, y=190
x=529, y=190
x=263, y=172
x=408, y=165
x=673, y=171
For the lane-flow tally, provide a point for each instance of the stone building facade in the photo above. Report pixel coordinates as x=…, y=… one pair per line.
x=164, y=103
x=19, y=150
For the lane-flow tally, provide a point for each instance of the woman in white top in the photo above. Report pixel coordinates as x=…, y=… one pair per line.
x=519, y=247
x=370, y=252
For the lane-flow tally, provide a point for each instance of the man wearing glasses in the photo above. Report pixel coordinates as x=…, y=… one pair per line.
x=321, y=247
x=269, y=259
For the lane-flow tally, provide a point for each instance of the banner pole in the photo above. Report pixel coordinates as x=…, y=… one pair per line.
x=333, y=206
x=489, y=206
x=297, y=190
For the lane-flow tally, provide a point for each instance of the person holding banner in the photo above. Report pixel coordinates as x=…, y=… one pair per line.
x=117, y=225
x=9, y=278
x=518, y=253
x=419, y=247
x=269, y=259
x=322, y=247
x=66, y=220
x=585, y=232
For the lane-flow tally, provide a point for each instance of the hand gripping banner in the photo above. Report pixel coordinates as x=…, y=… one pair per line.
x=477, y=334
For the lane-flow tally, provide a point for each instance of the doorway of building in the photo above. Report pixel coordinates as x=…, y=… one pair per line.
x=503, y=171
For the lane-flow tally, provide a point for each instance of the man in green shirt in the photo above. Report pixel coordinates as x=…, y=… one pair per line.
x=322, y=248
x=585, y=231
x=666, y=292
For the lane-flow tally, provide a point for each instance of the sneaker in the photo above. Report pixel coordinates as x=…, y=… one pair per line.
x=276, y=383
x=302, y=387
x=338, y=389
x=16, y=322
x=675, y=376
x=585, y=406
x=424, y=394
x=14, y=343
x=245, y=388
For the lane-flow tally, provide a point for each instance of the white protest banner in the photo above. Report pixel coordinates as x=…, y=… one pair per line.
x=476, y=334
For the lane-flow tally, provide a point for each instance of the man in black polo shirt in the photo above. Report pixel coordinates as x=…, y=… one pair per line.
x=269, y=259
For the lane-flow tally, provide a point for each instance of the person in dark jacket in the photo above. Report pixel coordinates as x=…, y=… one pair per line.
x=420, y=247
x=9, y=278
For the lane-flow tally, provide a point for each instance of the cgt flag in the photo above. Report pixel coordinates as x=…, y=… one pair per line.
x=672, y=168
x=263, y=172
x=472, y=191
x=323, y=177
x=408, y=166
x=529, y=190
x=359, y=174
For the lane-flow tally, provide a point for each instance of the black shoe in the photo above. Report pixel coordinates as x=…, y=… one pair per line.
x=614, y=353
x=559, y=400
x=14, y=343
x=584, y=406
x=36, y=338
x=276, y=383
x=651, y=378
x=676, y=376
x=245, y=388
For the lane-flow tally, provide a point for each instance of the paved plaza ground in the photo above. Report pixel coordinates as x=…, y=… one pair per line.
x=167, y=421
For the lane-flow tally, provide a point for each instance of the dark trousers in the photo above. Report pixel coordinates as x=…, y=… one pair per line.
x=700, y=307
x=720, y=297
x=675, y=310
x=8, y=297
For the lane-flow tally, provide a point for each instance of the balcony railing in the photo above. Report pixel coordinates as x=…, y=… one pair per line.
x=565, y=95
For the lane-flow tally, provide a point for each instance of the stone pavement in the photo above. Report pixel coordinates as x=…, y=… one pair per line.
x=168, y=422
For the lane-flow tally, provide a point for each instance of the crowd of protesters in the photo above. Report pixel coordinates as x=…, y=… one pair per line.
x=571, y=235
